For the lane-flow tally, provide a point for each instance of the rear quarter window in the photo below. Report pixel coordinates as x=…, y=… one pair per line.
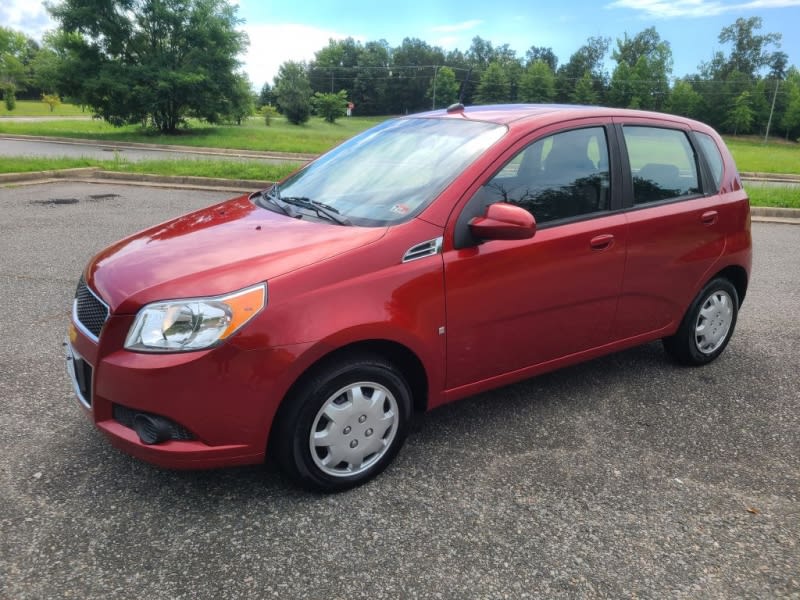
x=713, y=157
x=663, y=164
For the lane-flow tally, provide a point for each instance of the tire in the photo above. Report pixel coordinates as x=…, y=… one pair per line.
x=707, y=326
x=344, y=424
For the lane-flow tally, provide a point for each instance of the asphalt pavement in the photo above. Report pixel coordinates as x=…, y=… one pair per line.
x=625, y=477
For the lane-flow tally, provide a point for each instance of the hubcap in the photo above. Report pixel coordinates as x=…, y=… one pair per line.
x=354, y=428
x=713, y=322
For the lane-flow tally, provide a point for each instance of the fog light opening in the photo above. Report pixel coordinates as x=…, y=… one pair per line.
x=152, y=429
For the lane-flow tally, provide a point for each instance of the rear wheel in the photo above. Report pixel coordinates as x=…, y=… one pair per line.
x=707, y=326
x=344, y=424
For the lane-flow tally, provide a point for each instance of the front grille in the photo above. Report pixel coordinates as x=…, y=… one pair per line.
x=90, y=311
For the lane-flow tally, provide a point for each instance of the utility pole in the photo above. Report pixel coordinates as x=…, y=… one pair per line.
x=435, y=71
x=771, y=110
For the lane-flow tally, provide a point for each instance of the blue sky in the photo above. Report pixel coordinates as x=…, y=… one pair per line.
x=281, y=30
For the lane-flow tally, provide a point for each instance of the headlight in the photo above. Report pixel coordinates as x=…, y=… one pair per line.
x=195, y=323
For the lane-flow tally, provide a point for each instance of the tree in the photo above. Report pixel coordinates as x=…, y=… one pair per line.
x=538, y=83
x=293, y=92
x=588, y=58
x=749, y=52
x=790, y=122
x=9, y=99
x=684, y=100
x=413, y=65
x=330, y=106
x=52, y=100
x=584, y=91
x=240, y=100
x=13, y=74
x=444, y=88
x=334, y=66
x=740, y=117
x=623, y=86
x=268, y=112
x=494, y=87
x=266, y=96
x=535, y=53
x=370, y=88
x=644, y=63
x=156, y=61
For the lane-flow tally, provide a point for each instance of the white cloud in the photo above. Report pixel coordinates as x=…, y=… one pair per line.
x=273, y=44
x=31, y=18
x=463, y=26
x=696, y=8
x=448, y=42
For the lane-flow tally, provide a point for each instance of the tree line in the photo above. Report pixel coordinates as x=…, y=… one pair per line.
x=152, y=62
x=160, y=62
x=740, y=91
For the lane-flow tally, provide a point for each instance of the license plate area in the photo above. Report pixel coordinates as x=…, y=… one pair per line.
x=80, y=373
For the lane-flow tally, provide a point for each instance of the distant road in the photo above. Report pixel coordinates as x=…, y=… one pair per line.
x=46, y=118
x=131, y=152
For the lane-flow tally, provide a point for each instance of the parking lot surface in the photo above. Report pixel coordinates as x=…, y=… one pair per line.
x=625, y=477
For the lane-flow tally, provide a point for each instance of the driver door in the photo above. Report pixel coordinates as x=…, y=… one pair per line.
x=514, y=304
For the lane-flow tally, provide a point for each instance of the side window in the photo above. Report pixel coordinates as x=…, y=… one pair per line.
x=561, y=176
x=713, y=157
x=663, y=164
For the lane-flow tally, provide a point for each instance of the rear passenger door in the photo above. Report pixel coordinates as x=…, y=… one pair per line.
x=674, y=233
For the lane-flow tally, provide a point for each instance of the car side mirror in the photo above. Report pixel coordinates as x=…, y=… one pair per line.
x=503, y=221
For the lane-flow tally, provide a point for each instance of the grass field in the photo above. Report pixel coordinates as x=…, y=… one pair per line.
x=36, y=108
x=256, y=170
x=780, y=197
x=314, y=137
x=317, y=136
x=226, y=169
x=776, y=157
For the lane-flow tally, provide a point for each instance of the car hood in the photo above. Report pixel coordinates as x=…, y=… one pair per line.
x=214, y=251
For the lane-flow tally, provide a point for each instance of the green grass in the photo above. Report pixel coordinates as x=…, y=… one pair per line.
x=36, y=108
x=226, y=169
x=781, y=197
x=751, y=154
x=314, y=137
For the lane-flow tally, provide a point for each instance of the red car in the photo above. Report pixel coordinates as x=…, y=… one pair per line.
x=424, y=260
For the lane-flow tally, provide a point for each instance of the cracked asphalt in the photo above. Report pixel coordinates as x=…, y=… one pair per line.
x=625, y=477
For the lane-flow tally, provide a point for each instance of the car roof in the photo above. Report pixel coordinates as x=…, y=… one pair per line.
x=505, y=114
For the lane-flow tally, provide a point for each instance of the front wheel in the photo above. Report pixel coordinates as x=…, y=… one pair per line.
x=344, y=424
x=707, y=326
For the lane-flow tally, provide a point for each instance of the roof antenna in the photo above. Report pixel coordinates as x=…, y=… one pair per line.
x=459, y=106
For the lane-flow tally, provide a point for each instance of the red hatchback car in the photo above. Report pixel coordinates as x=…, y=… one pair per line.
x=424, y=260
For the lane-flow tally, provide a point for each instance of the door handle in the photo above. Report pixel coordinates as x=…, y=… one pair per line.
x=709, y=217
x=602, y=242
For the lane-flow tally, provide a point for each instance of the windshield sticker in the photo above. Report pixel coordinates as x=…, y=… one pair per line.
x=400, y=209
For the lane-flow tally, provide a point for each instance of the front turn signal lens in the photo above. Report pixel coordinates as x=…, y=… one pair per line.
x=194, y=323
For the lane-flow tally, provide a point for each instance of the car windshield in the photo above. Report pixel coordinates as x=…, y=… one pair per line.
x=393, y=171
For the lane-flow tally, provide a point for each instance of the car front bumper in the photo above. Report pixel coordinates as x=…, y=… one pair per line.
x=224, y=397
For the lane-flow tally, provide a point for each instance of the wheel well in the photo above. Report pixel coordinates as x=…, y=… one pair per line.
x=397, y=354
x=738, y=277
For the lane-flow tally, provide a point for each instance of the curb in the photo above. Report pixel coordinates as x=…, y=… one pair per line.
x=761, y=214
x=771, y=177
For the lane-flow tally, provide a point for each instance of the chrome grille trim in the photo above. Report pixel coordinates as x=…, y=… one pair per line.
x=424, y=249
x=89, y=312
x=75, y=362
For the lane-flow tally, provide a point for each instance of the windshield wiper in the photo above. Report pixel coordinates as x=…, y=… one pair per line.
x=273, y=196
x=322, y=210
